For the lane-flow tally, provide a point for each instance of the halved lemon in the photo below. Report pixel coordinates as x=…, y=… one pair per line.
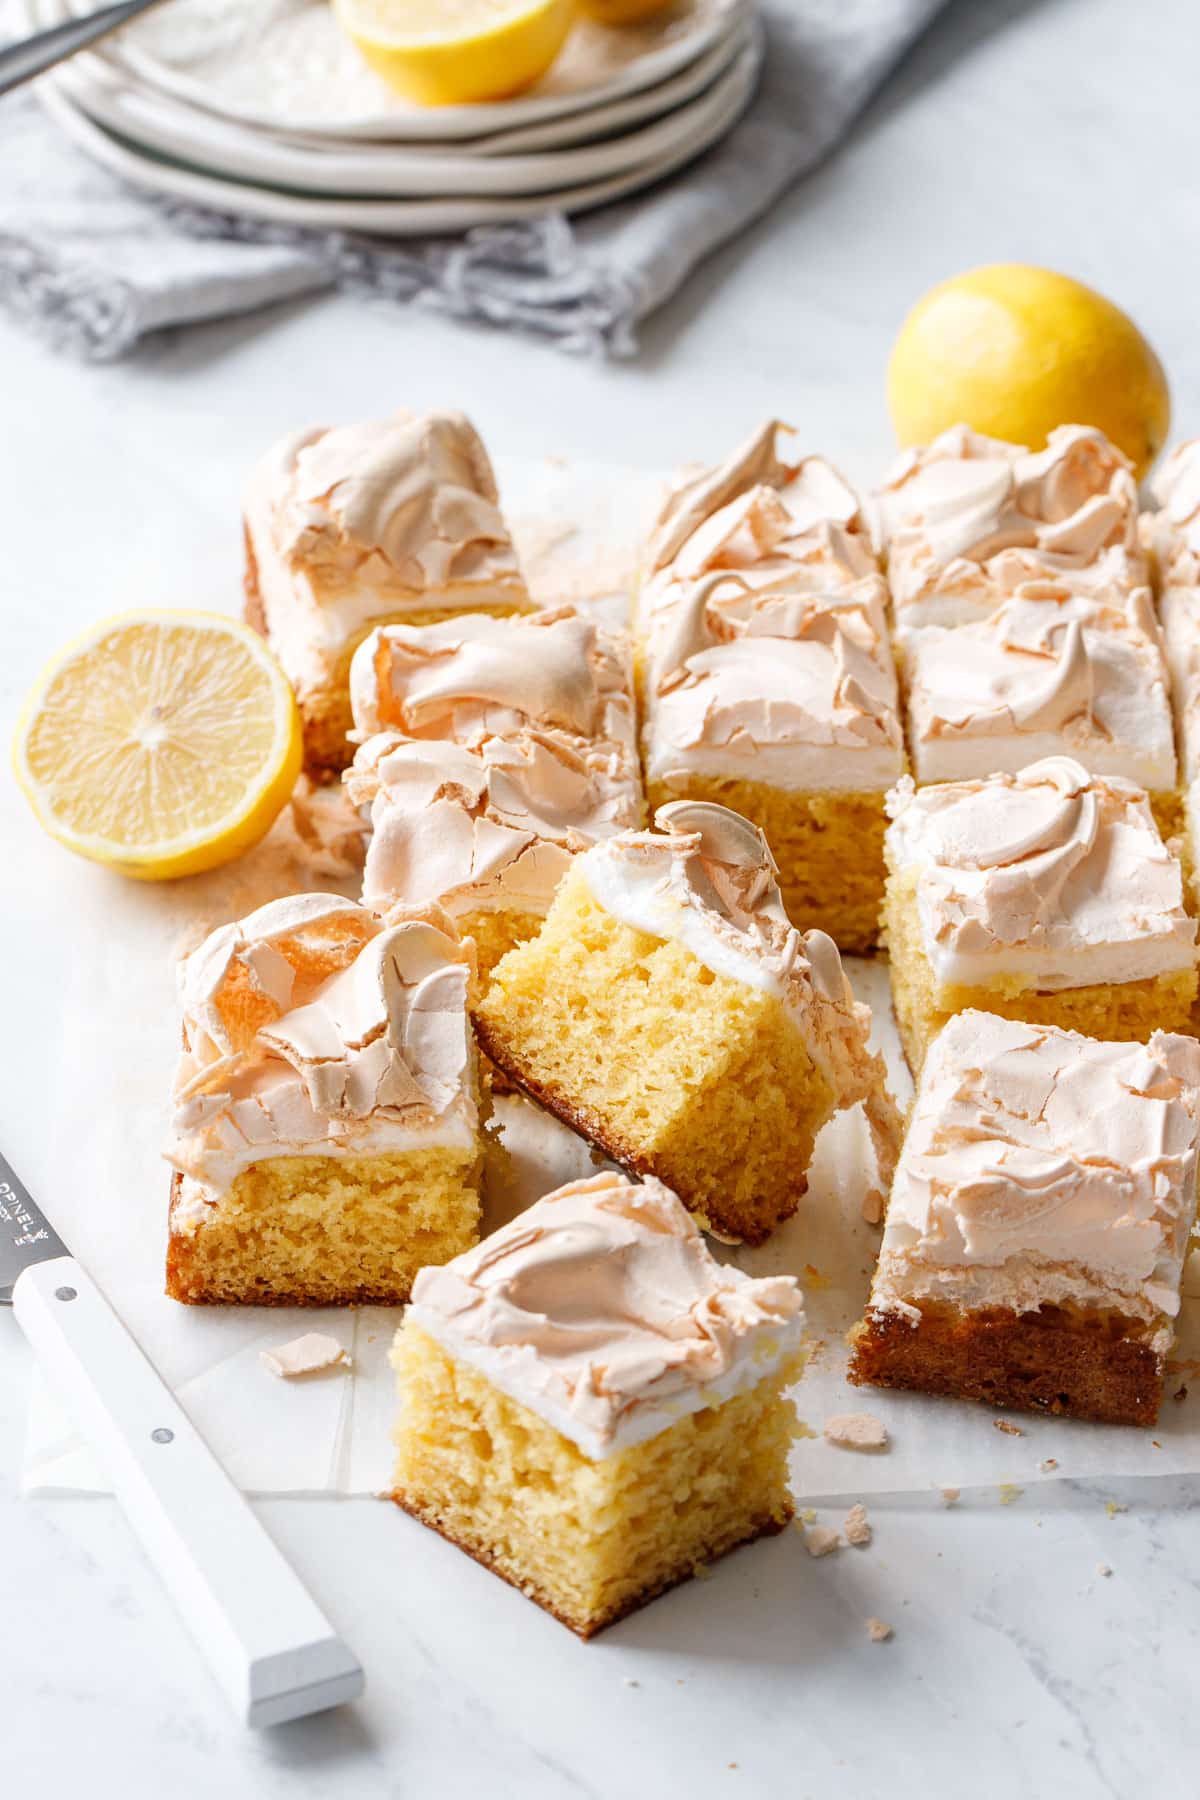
x=455, y=52
x=160, y=743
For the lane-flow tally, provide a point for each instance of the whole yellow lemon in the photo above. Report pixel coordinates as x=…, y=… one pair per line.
x=1014, y=351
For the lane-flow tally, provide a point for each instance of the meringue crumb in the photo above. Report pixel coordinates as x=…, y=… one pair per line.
x=950, y=1495
x=819, y=1540
x=878, y=1630
x=1010, y=1493
x=1047, y=1463
x=1103, y=1569
x=1008, y=1430
x=305, y=1356
x=1113, y=1507
x=872, y=1207
x=856, y=1431
x=856, y=1527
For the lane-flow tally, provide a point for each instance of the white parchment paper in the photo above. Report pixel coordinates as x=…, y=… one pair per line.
x=329, y=1434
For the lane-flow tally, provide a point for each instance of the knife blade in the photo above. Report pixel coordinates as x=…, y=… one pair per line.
x=273, y=1651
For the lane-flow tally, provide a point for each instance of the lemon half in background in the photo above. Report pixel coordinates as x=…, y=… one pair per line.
x=160, y=743
x=1014, y=351
x=457, y=52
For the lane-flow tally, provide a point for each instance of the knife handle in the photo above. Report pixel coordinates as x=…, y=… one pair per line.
x=270, y=1647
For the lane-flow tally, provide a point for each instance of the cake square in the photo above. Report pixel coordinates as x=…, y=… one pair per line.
x=671, y=1013
x=767, y=675
x=1054, y=675
x=1173, y=535
x=593, y=1407
x=350, y=527
x=326, y=1139
x=968, y=520
x=494, y=750
x=1047, y=896
x=1038, y=1222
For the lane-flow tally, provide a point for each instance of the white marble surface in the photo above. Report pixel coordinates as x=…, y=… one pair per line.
x=1060, y=132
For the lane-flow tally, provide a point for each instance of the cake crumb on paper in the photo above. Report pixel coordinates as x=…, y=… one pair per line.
x=1103, y=1569
x=856, y=1526
x=1113, y=1507
x=630, y=1681
x=878, y=1630
x=872, y=1207
x=856, y=1431
x=1181, y=1392
x=950, y=1495
x=305, y=1356
x=819, y=1540
x=1010, y=1493
x=809, y=1516
x=1008, y=1429
x=1047, y=1463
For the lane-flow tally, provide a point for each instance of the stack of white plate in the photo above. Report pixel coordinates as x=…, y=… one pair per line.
x=263, y=107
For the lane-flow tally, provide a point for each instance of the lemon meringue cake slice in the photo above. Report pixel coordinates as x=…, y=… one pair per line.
x=395, y=518
x=326, y=1137
x=591, y=1406
x=670, y=1012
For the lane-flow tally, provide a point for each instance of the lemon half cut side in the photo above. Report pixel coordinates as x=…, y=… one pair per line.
x=160, y=743
x=458, y=52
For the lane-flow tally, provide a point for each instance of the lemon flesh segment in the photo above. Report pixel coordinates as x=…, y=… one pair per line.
x=161, y=743
x=1015, y=351
x=458, y=52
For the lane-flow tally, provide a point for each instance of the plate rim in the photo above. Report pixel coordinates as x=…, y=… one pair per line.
x=384, y=218
x=440, y=124
x=447, y=177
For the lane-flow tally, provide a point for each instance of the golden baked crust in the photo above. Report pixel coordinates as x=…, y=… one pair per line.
x=1083, y=1364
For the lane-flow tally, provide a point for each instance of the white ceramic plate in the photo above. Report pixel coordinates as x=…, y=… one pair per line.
x=202, y=141
x=286, y=64
x=387, y=218
x=90, y=77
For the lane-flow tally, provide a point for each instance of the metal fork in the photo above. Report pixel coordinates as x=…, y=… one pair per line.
x=32, y=56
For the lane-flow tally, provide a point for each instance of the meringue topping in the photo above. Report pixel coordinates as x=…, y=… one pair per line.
x=1042, y=1167
x=1040, y=677
x=511, y=745
x=1175, y=531
x=765, y=625
x=602, y=1310
x=706, y=879
x=1174, y=535
x=954, y=509
x=310, y=1028
x=1051, y=875
x=365, y=521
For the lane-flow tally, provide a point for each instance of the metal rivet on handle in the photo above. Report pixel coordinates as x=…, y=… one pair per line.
x=162, y=1436
x=65, y=1293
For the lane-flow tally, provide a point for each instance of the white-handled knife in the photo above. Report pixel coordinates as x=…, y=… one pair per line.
x=271, y=1648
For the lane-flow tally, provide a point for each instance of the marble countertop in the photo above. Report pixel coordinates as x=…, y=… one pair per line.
x=1044, y=1646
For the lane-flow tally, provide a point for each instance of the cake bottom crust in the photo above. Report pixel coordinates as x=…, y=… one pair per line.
x=769, y=1525
x=828, y=845
x=1082, y=1364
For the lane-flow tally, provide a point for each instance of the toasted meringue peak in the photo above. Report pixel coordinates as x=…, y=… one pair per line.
x=310, y=1028
x=1040, y=677
x=360, y=522
x=953, y=510
x=477, y=677
x=602, y=1310
x=709, y=883
x=1050, y=874
x=515, y=748
x=1045, y=1168
x=1176, y=529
